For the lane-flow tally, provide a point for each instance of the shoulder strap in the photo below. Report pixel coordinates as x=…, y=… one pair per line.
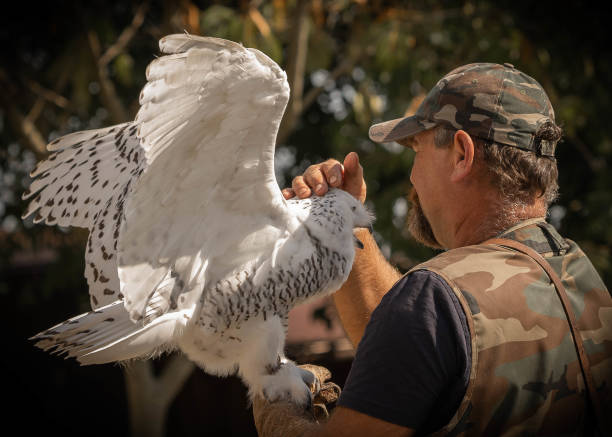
x=571, y=318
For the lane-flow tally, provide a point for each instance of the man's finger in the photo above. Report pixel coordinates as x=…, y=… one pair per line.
x=288, y=193
x=333, y=172
x=300, y=188
x=315, y=179
x=353, y=177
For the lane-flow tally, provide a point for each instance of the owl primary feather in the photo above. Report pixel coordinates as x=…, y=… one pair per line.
x=191, y=244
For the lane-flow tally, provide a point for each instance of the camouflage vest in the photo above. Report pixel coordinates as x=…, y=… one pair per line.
x=525, y=377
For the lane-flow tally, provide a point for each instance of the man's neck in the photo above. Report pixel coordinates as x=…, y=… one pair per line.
x=479, y=224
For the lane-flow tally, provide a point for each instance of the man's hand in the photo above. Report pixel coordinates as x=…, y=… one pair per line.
x=318, y=178
x=285, y=419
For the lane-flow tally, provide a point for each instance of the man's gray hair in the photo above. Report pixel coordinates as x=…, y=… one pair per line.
x=520, y=175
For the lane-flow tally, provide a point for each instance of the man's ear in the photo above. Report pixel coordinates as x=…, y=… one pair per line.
x=462, y=156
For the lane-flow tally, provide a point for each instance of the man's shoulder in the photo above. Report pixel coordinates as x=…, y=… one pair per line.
x=460, y=257
x=417, y=289
x=421, y=280
x=480, y=266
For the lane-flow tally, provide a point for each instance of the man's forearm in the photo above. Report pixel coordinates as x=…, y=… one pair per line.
x=371, y=277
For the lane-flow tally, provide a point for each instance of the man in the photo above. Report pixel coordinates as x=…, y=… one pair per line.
x=476, y=340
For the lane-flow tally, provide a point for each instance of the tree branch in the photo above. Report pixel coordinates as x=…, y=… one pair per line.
x=259, y=21
x=49, y=95
x=60, y=84
x=296, y=64
x=24, y=127
x=108, y=94
x=125, y=37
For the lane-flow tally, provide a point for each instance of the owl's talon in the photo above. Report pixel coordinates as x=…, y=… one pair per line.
x=290, y=383
x=311, y=381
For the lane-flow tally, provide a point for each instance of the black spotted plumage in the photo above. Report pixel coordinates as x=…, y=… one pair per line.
x=68, y=194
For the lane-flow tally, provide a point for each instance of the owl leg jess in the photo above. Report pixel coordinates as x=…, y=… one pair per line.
x=265, y=369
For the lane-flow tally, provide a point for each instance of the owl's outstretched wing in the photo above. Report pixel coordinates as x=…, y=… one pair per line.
x=83, y=172
x=208, y=200
x=84, y=182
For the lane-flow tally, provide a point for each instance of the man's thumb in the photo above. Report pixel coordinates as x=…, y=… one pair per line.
x=353, y=176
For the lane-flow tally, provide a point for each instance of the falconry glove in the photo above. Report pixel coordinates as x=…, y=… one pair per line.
x=282, y=418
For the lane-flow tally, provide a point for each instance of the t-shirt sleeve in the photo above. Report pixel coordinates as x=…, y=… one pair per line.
x=412, y=364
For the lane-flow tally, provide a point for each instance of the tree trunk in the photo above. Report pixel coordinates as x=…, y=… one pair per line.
x=149, y=397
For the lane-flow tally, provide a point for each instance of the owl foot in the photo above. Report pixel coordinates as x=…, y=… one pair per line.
x=288, y=382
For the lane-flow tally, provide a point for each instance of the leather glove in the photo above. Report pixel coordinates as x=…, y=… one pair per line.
x=325, y=395
x=282, y=418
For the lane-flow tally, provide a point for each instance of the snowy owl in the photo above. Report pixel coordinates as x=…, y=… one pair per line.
x=191, y=244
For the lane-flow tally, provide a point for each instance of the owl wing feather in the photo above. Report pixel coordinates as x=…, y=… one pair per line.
x=84, y=182
x=84, y=171
x=208, y=200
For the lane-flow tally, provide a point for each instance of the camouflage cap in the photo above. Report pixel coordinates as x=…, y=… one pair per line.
x=489, y=101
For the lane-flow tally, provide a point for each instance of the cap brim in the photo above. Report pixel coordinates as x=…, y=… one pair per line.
x=397, y=129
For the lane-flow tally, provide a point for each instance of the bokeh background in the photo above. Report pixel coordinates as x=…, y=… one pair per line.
x=73, y=65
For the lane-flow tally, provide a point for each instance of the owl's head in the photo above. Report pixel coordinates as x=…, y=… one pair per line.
x=352, y=208
x=336, y=213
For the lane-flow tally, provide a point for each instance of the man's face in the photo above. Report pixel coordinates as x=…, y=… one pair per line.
x=428, y=177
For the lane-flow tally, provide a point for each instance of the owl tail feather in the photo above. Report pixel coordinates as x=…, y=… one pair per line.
x=107, y=334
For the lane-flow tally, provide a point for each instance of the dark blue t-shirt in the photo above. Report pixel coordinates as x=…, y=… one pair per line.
x=412, y=365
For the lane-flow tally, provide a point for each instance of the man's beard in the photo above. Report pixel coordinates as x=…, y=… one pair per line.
x=418, y=225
